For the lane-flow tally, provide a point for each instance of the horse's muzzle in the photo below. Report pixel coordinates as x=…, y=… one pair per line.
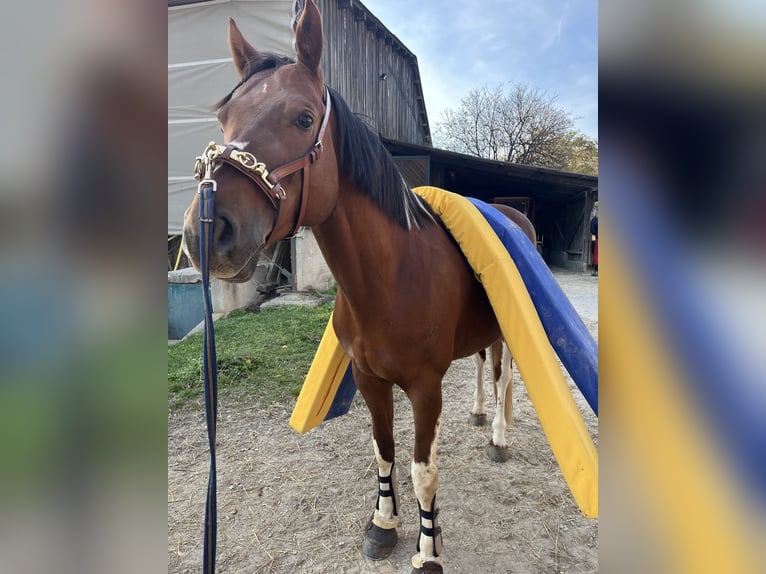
x=230, y=259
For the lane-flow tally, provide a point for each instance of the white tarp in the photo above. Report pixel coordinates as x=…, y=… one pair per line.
x=200, y=73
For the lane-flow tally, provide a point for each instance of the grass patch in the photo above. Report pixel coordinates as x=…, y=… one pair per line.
x=261, y=356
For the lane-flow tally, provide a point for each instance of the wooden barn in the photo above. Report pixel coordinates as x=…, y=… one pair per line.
x=374, y=72
x=379, y=78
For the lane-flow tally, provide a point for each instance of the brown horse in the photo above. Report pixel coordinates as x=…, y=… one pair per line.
x=407, y=303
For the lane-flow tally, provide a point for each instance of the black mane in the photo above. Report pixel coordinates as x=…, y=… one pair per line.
x=368, y=164
x=361, y=155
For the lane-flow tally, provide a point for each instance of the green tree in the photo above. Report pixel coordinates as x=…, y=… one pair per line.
x=581, y=153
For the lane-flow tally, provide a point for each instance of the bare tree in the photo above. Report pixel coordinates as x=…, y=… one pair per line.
x=473, y=128
x=521, y=125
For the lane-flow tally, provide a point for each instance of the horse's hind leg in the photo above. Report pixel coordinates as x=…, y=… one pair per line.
x=380, y=535
x=498, y=449
x=477, y=416
x=426, y=406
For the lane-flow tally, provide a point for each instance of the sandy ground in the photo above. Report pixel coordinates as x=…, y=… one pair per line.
x=299, y=503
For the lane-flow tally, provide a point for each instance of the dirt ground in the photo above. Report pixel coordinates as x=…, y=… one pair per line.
x=299, y=503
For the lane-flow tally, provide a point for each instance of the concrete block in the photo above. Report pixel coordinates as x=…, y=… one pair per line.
x=310, y=271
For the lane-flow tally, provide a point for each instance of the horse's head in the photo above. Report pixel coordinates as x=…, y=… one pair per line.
x=277, y=168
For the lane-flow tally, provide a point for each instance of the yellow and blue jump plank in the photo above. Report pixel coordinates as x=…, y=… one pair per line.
x=525, y=336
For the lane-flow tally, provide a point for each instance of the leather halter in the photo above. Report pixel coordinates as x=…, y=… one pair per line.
x=268, y=182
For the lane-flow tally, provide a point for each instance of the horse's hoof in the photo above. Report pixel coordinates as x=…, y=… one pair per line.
x=498, y=453
x=379, y=542
x=429, y=568
x=477, y=420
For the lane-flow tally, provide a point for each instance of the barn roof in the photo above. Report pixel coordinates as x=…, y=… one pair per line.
x=486, y=179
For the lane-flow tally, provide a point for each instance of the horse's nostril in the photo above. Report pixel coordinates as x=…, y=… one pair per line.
x=224, y=234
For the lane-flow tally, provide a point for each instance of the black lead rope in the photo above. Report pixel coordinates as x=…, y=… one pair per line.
x=203, y=171
x=207, y=189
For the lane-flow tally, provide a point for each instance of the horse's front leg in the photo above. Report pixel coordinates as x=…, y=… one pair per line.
x=426, y=406
x=380, y=535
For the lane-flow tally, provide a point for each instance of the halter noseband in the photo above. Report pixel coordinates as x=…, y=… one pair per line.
x=268, y=182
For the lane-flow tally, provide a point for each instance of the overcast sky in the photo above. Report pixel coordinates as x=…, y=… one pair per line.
x=463, y=44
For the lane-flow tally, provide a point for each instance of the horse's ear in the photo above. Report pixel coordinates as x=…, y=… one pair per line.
x=308, y=37
x=241, y=50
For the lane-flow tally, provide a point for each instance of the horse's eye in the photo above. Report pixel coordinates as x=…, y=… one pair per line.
x=305, y=121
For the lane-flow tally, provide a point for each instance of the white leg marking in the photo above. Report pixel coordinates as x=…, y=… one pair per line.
x=184, y=246
x=478, y=393
x=425, y=482
x=502, y=397
x=385, y=515
x=509, y=387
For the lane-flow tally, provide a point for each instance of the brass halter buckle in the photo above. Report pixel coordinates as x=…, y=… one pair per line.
x=203, y=166
x=205, y=163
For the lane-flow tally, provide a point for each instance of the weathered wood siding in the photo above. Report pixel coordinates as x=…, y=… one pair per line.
x=358, y=50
